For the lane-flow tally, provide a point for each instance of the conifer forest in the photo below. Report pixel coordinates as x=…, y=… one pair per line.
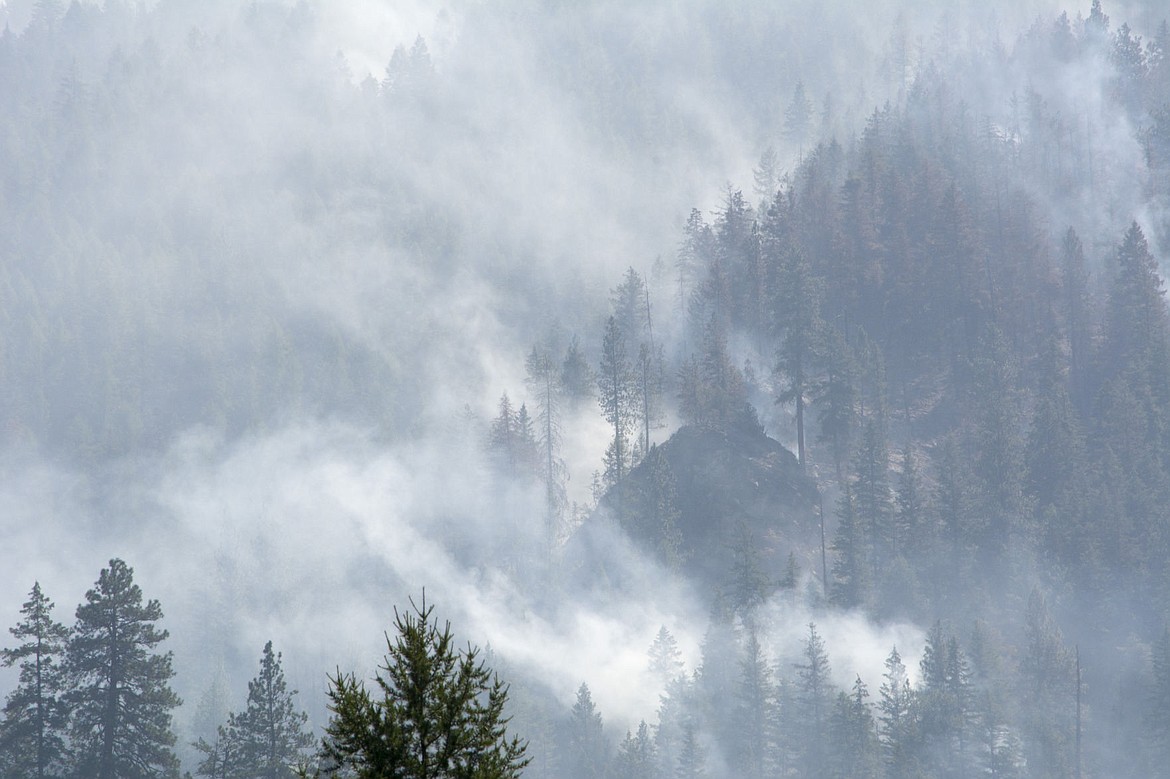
x=584, y=390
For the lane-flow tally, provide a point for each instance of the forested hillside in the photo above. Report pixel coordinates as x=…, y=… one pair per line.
x=790, y=386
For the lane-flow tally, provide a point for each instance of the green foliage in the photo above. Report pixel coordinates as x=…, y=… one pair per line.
x=268, y=739
x=439, y=713
x=618, y=399
x=120, y=691
x=636, y=758
x=815, y=694
x=32, y=735
x=587, y=749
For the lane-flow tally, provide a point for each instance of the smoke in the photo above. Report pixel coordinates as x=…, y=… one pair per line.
x=260, y=186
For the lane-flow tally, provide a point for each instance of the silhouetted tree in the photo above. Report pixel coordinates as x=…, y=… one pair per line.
x=33, y=732
x=120, y=691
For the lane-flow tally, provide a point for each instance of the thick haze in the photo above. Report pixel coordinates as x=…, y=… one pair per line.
x=251, y=213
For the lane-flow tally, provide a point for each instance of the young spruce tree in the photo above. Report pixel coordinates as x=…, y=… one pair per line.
x=439, y=713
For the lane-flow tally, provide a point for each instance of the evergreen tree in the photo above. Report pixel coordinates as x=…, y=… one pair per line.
x=587, y=754
x=854, y=741
x=120, y=685
x=439, y=713
x=850, y=583
x=1046, y=671
x=648, y=376
x=659, y=511
x=815, y=694
x=837, y=397
x=691, y=757
x=911, y=535
x=1136, y=325
x=615, y=384
x=767, y=174
x=749, y=586
x=871, y=495
x=269, y=737
x=527, y=450
x=666, y=662
x=1077, y=316
x=997, y=420
x=897, y=725
x=576, y=376
x=798, y=117
x=695, y=253
x=503, y=437
x=796, y=311
x=946, y=709
x=630, y=309
x=544, y=381
x=753, y=712
x=636, y=758
x=675, y=707
x=32, y=735
x=718, y=673
x=221, y=758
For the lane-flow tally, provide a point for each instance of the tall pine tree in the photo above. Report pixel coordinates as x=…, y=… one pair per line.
x=32, y=736
x=120, y=684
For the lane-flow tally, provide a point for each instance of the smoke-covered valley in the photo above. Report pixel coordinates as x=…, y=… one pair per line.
x=268, y=269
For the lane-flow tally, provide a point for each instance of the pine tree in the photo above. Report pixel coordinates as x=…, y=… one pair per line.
x=221, y=758
x=1046, y=671
x=32, y=735
x=815, y=694
x=695, y=253
x=503, y=438
x=587, y=752
x=691, y=757
x=576, y=376
x=659, y=509
x=630, y=310
x=1136, y=325
x=648, y=377
x=753, y=711
x=796, y=312
x=666, y=663
x=675, y=706
x=120, y=686
x=850, y=583
x=545, y=382
x=269, y=736
x=1077, y=311
x=911, y=535
x=871, y=494
x=636, y=758
x=837, y=398
x=854, y=741
x=749, y=586
x=439, y=712
x=897, y=725
x=615, y=386
x=767, y=174
x=798, y=117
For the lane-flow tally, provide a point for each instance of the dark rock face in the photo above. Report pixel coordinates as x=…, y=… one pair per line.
x=706, y=486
